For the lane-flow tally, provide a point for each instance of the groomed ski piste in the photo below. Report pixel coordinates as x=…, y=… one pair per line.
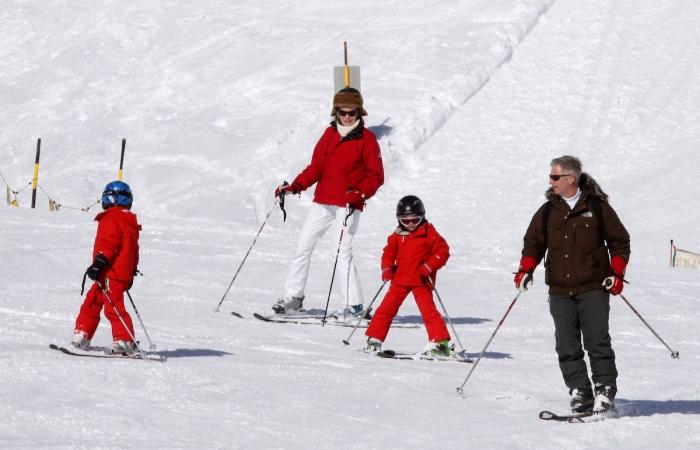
x=220, y=101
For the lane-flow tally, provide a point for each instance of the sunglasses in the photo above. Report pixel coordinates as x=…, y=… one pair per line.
x=342, y=113
x=557, y=177
x=406, y=221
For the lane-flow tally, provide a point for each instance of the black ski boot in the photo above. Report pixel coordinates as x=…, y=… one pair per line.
x=581, y=399
x=604, y=398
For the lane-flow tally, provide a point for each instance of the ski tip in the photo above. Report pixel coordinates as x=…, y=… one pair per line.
x=234, y=313
x=547, y=415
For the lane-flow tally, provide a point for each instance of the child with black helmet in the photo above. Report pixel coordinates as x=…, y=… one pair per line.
x=414, y=253
x=115, y=257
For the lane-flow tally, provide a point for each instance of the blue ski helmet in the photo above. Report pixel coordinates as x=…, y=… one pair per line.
x=117, y=193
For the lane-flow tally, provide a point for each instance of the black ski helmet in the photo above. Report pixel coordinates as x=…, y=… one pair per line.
x=410, y=205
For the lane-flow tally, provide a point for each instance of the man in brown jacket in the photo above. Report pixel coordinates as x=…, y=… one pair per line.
x=587, y=250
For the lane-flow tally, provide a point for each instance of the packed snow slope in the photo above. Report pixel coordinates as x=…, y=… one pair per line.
x=219, y=101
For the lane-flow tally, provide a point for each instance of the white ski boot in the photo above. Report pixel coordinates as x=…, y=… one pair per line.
x=80, y=340
x=374, y=345
x=285, y=305
x=122, y=348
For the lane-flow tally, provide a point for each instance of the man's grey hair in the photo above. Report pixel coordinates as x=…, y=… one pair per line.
x=570, y=164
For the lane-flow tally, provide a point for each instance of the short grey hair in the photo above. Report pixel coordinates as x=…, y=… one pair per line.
x=569, y=163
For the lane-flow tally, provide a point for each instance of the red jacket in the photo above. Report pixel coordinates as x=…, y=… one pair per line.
x=118, y=240
x=408, y=251
x=340, y=164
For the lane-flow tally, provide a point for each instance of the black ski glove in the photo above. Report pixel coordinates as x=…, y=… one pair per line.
x=100, y=262
x=131, y=283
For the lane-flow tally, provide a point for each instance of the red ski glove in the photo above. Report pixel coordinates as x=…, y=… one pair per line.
x=387, y=274
x=424, y=270
x=614, y=283
x=523, y=278
x=355, y=198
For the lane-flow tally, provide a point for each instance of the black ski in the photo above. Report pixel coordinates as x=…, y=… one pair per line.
x=576, y=417
x=416, y=356
x=99, y=353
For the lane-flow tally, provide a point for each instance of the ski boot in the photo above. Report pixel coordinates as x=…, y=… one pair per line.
x=374, y=345
x=604, y=398
x=287, y=304
x=439, y=348
x=352, y=313
x=122, y=348
x=80, y=340
x=581, y=399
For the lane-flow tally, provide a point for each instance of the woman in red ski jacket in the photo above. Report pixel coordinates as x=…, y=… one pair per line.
x=343, y=164
x=347, y=169
x=414, y=253
x=115, y=258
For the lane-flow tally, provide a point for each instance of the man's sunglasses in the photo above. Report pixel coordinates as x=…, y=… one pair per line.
x=342, y=113
x=405, y=221
x=557, y=177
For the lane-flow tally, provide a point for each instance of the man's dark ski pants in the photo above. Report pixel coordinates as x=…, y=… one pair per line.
x=586, y=313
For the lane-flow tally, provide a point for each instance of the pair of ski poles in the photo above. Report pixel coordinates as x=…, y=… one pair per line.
x=152, y=346
x=280, y=200
x=462, y=351
x=460, y=389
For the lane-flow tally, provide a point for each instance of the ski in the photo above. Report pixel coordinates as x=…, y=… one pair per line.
x=312, y=319
x=391, y=354
x=99, y=352
x=584, y=417
x=548, y=415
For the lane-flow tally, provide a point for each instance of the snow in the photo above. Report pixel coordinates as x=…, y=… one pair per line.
x=219, y=101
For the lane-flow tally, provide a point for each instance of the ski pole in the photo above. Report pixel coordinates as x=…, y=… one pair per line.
x=246, y=255
x=460, y=390
x=350, y=210
x=364, y=313
x=674, y=354
x=151, y=345
x=121, y=319
x=448, y=318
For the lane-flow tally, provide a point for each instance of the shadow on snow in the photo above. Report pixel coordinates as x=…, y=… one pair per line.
x=191, y=353
x=633, y=408
x=455, y=320
x=381, y=130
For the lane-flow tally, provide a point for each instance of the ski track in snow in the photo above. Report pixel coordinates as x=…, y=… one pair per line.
x=219, y=102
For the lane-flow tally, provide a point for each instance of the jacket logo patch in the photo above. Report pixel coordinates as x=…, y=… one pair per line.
x=587, y=214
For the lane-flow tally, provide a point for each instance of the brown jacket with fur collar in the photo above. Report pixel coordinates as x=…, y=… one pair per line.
x=578, y=259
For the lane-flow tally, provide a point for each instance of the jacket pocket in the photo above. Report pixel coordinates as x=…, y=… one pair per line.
x=587, y=235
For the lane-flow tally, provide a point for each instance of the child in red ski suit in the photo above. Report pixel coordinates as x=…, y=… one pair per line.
x=115, y=258
x=413, y=254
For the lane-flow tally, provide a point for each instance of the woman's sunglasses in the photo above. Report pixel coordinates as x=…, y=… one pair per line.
x=342, y=113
